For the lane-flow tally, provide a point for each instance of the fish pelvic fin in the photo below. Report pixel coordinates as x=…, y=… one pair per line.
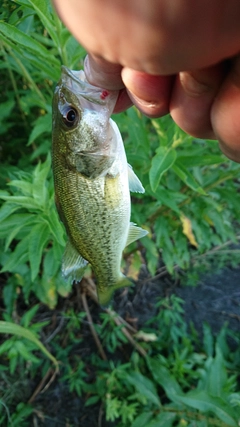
x=73, y=264
x=105, y=292
x=135, y=233
x=135, y=184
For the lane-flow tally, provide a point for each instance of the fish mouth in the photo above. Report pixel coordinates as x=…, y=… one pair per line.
x=68, y=76
x=76, y=82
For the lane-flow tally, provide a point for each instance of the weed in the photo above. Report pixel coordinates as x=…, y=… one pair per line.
x=191, y=209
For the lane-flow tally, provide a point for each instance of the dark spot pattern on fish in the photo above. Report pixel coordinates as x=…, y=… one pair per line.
x=91, y=178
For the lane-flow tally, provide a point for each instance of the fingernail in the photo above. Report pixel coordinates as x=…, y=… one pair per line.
x=191, y=86
x=139, y=88
x=142, y=102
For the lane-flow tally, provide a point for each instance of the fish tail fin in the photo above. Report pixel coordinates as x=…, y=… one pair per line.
x=105, y=293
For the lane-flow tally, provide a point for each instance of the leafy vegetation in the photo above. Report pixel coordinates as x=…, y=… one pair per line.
x=191, y=210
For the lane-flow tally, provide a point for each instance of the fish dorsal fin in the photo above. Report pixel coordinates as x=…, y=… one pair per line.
x=135, y=233
x=73, y=264
x=135, y=184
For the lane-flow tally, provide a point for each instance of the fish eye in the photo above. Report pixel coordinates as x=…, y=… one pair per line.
x=70, y=116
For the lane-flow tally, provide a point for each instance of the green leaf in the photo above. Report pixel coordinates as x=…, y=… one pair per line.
x=56, y=227
x=41, y=8
x=12, y=224
x=6, y=210
x=144, y=386
x=141, y=420
x=50, y=69
x=6, y=109
x=46, y=291
x=9, y=296
x=14, y=329
x=24, y=186
x=22, y=201
x=24, y=352
x=164, y=419
x=92, y=400
x=202, y=401
x=63, y=286
x=25, y=41
x=51, y=263
x=18, y=257
x=187, y=178
x=22, y=412
x=3, y=193
x=37, y=241
x=166, y=197
x=152, y=254
x=163, y=377
x=217, y=375
x=14, y=231
x=42, y=125
x=161, y=162
x=40, y=175
x=29, y=315
x=208, y=340
x=202, y=159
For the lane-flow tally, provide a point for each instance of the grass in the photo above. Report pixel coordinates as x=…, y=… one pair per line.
x=57, y=348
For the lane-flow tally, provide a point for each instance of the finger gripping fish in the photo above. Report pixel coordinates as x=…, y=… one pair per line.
x=92, y=181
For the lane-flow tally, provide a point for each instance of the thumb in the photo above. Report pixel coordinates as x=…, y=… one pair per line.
x=102, y=73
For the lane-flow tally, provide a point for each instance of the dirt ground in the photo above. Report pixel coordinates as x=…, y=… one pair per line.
x=215, y=300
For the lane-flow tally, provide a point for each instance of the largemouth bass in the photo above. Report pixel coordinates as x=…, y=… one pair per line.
x=92, y=181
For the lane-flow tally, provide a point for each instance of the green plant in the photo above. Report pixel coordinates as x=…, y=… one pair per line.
x=190, y=203
x=191, y=210
x=17, y=418
x=75, y=377
x=111, y=334
x=187, y=183
x=201, y=390
x=29, y=216
x=24, y=340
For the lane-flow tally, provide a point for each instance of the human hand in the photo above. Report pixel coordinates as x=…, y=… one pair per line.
x=174, y=56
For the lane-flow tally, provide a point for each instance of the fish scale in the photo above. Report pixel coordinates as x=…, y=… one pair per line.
x=98, y=248
x=92, y=181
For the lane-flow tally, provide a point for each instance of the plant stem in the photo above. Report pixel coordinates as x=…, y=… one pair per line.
x=118, y=320
x=27, y=76
x=14, y=85
x=129, y=336
x=61, y=50
x=94, y=334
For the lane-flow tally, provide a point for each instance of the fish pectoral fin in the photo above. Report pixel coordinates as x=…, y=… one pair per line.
x=135, y=233
x=93, y=165
x=135, y=184
x=105, y=292
x=73, y=264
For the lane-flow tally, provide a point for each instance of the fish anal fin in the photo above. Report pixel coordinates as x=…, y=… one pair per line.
x=135, y=233
x=135, y=184
x=73, y=264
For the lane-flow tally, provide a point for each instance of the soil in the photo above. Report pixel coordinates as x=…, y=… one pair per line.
x=215, y=300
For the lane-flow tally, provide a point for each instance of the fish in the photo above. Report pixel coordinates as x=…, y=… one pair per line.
x=92, y=182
